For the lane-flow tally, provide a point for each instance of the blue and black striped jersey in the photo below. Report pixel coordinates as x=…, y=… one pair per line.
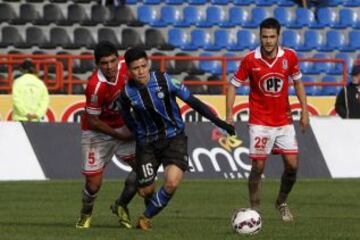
x=155, y=115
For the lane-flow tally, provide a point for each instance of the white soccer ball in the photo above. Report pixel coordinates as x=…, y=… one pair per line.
x=246, y=221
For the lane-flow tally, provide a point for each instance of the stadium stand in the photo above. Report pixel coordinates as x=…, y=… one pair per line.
x=184, y=28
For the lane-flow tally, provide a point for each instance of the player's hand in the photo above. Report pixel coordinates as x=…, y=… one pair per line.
x=230, y=120
x=124, y=133
x=230, y=129
x=304, y=121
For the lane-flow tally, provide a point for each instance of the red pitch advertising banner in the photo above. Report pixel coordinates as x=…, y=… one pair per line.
x=68, y=108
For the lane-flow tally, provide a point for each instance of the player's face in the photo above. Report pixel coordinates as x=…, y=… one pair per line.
x=140, y=70
x=269, y=41
x=356, y=79
x=109, y=67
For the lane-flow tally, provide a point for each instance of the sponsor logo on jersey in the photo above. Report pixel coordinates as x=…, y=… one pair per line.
x=272, y=84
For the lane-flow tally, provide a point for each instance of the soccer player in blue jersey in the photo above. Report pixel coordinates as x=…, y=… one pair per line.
x=156, y=122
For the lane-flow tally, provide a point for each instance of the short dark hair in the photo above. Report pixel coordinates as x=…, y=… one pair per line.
x=27, y=67
x=104, y=49
x=271, y=23
x=134, y=54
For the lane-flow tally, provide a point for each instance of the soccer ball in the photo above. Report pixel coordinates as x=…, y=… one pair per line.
x=246, y=221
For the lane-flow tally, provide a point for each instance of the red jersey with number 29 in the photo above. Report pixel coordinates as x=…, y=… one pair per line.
x=100, y=98
x=269, y=83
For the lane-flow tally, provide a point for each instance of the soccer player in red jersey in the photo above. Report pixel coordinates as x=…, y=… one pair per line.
x=269, y=69
x=104, y=134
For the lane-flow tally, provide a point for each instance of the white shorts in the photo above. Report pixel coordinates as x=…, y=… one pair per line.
x=98, y=149
x=278, y=140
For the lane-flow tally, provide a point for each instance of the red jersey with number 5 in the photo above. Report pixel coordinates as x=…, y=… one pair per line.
x=269, y=83
x=100, y=98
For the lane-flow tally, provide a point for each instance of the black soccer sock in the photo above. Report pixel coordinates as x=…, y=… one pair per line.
x=288, y=180
x=129, y=191
x=88, y=200
x=254, y=186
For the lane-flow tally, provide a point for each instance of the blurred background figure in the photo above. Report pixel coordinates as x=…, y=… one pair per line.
x=30, y=95
x=348, y=100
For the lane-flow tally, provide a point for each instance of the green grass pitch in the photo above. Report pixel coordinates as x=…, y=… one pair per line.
x=324, y=209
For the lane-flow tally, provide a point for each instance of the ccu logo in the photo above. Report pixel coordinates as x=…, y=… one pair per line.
x=49, y=116
x=271, y=84
x=190, y=115
x=73, y=112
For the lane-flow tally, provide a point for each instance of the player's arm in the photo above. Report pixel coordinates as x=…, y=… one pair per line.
x=340, y=106
x=230, y=99
x=301, y=95
x=98, y=125
x=184, y=94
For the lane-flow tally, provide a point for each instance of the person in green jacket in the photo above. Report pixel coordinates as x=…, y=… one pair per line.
x=30, y=95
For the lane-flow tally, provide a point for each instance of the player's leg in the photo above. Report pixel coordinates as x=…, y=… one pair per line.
x=95, y=152
x=254, y=183
x=286, y=144
x=173, y=155
x=261, y=142
x=126, y=153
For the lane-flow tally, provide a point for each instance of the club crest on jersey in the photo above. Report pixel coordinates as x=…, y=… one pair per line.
x=94, y=98
x=160, y=94
x=272, y=84
x=285, y=64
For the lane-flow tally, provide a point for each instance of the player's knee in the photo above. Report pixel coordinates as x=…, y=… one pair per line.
x=171, y=185
x=147, y=191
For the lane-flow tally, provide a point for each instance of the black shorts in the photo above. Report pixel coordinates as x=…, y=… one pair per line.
x=150, y=156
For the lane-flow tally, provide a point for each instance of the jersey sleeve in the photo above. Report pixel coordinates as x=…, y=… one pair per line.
x=178, y=88
x=241, y=74
x=94, y=99
x=294, y=68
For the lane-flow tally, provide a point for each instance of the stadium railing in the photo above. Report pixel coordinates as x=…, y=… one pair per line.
x=56, y=80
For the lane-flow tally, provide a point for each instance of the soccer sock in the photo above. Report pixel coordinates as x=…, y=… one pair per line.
x=254, y=188
x=158, y=201
x=88, y=200
x=129, y=190
x=288, y=180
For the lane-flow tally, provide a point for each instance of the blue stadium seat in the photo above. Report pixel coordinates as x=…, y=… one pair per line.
x=214, y=16
x=131, y=2
x=291, y=91
x=169, y=15
x=175, y=2
x=326, y=17
x=291, y=39
x=200, y=39
x=231, y=66
x=347, y=18
x=310, y=90
x=243, y=90
x=337, y=68
x=243, y=2
x=313, y=40
x=191, y=16
x=152, y=2
x=146, y=14
x=265, y=3
x=286, y=3
x=258, y=14
x=351, y=3
x=220, y=2
x=329, y=90
x=224, y=39
x=334, y=3
x=321, y=67
x=305, y=66
x=209, y=66
x=237, y=16
x=335, y=40
x=177, y=37
x=197, y=2
x=284, y=16
x=304, y=18
x=245, y=40
x=353, y=41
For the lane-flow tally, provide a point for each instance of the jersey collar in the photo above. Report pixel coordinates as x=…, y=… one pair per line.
x=280, y=53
